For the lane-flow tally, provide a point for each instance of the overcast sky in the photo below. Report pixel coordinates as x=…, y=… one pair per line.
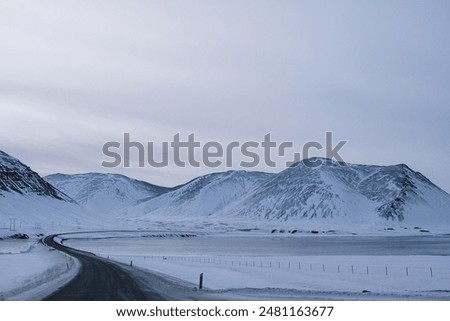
x=76, y=74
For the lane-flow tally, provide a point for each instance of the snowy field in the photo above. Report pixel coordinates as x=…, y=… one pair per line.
x=31, y=271
x=306, y=267
x=11, y=246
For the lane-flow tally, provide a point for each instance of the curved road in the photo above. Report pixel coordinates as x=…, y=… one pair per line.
x=99, y=280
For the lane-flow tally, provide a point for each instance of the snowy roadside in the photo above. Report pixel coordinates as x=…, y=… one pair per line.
x=32, y=271
x=321, y=277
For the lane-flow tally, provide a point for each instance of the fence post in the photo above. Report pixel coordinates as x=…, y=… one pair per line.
x=339, y=269
x=431, y=272
x=386, y=270
x=131, y=263
x=200, y=282
x=323, y=267
x=367, y=268
x=407, y=272
x=352, y=270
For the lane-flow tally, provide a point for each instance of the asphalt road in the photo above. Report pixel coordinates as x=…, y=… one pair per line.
x=100, y=280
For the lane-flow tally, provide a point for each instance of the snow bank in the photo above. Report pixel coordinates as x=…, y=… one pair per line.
x=35, y=273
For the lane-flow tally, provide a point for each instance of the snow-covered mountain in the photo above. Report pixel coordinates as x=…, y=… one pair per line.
x=32, y=202
x=330, y=194
x=16, y=177
x=346, y=194
x=201, y=197
x=104, y=192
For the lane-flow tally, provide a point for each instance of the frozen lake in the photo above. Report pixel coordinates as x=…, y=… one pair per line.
x=267, y=245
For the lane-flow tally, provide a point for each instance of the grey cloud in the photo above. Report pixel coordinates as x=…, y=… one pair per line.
x=74, y=74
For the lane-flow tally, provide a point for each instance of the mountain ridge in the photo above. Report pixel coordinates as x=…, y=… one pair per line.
x=104, y=192
x=205, y=194
x=332, y=193
x=337, y=190
x=33, y=203
x=16, y=177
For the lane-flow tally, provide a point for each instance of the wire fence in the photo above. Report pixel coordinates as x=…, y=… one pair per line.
x=304, y=266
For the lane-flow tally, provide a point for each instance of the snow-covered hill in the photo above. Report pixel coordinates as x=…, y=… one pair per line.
x=104, y=192
x=351, y=194
x=328, y=195
x=16, y=177
x=201, y=197
x=33, y=203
